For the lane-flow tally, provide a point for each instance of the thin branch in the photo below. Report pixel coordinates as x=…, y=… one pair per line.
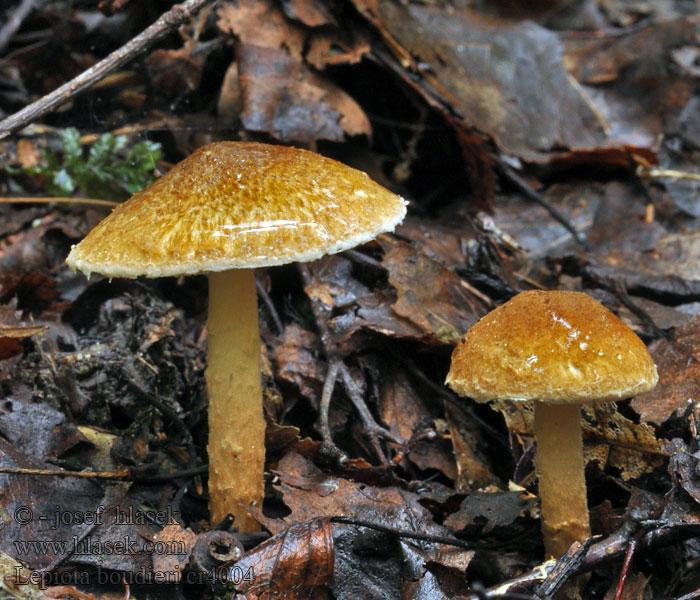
x=56, y=200
x=520, y=183
x=123, y=473
x=175, y=17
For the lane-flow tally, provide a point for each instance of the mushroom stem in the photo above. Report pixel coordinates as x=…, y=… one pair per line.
x=562, y=485
x=236, y=423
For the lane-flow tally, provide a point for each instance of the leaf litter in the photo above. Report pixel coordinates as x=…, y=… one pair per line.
x=594, y=110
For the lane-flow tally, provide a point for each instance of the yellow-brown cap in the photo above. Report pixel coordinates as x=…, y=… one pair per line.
x=562, y=347
x=239, y=205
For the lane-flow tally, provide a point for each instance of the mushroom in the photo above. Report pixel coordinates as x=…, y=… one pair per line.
x=225, y=210
x=560, y=349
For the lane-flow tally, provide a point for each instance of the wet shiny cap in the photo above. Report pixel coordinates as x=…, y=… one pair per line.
x=559, y=347
x=239, y=205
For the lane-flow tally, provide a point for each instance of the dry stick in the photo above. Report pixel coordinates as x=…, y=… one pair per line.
x=516, y=180
x=629, y=554
x=121, y=474
x=607, y=549
x=175, y=17
x=262, y=292
x=56, y=200
x=373, y=429
x=15, y=22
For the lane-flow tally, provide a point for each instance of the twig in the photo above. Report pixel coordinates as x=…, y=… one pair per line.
x=652, y=173
x=123, y=473
x=620, y=290
x=326, y=394
x=169, y=20
x=508, y=173
x=15, y=22
x=607, y=549
x=373, y=429
x=262, y=292
x=629, y=555
x=564, y=569
x=424, y=537
x=120, y=474
x=56, y=200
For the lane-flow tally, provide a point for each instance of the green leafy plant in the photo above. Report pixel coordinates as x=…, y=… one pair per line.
x=107, y=170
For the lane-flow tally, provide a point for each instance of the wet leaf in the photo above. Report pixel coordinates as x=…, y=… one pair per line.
x=468, y=62
x=283, y=97
x=678, y=364
x=630, y=80
x=429, y=296
x=261, y=23
x=296, y=564
x=489, y=510
x=297, y=362
x=609, y=437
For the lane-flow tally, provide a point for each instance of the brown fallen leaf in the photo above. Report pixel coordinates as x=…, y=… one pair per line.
x=311, y=13
x=634, y=589
x=260, y=22
x=497, y=508
x=12, y=330
x=406, y=412
x=473, y=467
x=328, y=48
x=468, y=63
x=297, y=362
x=296, y=564
x=678, y=363
x=428, y=294
x=173, y=535
x=176, y=71
x=631, y=80
x=609, y=437
x=283, y=97
x=309, y=493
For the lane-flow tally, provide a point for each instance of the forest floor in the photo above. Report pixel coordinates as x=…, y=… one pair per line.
x=548, y=145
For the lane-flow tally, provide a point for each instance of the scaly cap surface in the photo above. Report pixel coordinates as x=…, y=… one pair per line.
x=239, y=205
x=557, y=346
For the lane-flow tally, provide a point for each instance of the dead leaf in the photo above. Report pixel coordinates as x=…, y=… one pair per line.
x=328, y=48
x=609, y=437
x=283, y=97
x=292, y=565
x=175, y=72
x=678, y=364
x=634, y=589
x=297, y=362
x=489, y=510
x=630, y=79
x=310, y=12
x=173, y=536
x=406, y=413
x=261, y=23
x=468, y=63
x=429, y=295
x=474, y=470
x=27, y=153
x=310, y=493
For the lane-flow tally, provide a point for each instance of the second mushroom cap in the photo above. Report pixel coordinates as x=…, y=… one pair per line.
x=556, y=345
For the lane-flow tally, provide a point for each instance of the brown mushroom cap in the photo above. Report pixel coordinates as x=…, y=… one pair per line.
x=239, y=205
x=556, y=346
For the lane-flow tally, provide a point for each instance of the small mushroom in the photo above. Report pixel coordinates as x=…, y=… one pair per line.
x=560, y=349
x=225, y=210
